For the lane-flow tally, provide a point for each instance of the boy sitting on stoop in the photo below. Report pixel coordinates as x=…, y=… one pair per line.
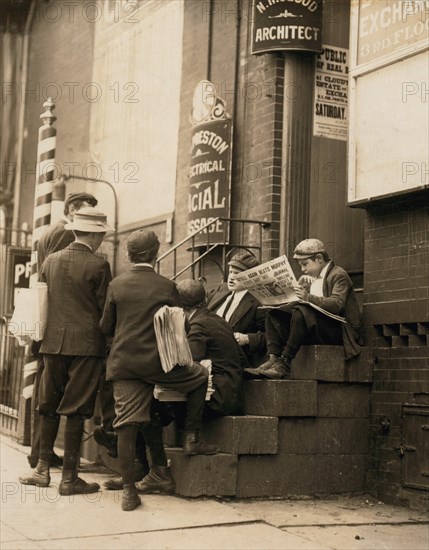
x=325, y=285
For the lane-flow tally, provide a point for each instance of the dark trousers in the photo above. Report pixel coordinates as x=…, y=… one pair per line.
x=286, y=332
x=36, y=426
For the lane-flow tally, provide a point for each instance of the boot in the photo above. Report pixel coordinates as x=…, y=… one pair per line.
x=158, y=480
x=194, y=445
x=258, y=372
x=73, y=485
x=39, y=477
x=279, y=371
x=130, y=498
x=116, y=483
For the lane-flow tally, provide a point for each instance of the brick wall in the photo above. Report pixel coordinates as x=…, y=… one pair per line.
x=396, y=315
x=253, y=89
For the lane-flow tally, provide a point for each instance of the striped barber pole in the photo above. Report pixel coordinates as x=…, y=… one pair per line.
x=41, y=221
x=45, y=172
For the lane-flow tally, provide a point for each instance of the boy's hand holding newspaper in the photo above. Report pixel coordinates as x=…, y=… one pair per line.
x=301, y=292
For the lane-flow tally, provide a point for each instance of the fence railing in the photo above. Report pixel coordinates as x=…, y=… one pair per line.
x=12, y=357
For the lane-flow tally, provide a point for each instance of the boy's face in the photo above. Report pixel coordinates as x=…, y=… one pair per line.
x=233, y=285
x=312, y=266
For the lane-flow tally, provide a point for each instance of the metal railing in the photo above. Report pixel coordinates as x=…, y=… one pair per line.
x=201, y=251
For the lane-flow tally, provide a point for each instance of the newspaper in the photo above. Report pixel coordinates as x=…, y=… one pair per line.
x=272, y=285
x=29, y=317
x=173, y=347
x=165, y=394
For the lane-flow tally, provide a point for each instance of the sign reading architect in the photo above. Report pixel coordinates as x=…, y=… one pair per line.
x=209, y=177
x=287, y=25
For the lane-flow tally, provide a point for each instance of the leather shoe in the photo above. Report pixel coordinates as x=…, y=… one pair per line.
x=279, y=371
x=258, y=372
x=39, y=477
x=194, y=445
x=130, y=498
x=158, y=480
x=73, y=485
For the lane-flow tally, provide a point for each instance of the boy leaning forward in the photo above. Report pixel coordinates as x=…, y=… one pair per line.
x=325, y=285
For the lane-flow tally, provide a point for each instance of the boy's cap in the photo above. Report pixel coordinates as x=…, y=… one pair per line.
x=142, y=240
x=308, y=248
x=243, y=261
x=90, y=220
x=74, y=197
x=191, y=293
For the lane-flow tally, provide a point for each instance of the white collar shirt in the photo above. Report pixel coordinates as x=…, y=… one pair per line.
x=231, y=305
x=316, y=288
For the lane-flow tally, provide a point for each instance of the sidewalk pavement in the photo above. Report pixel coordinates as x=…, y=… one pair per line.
x=38, y=518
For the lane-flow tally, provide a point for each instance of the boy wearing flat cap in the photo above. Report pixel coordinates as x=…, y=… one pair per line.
x=73, y=347
x=55, y=238
x=241, y=310
x=327, y=286
x=135, y=367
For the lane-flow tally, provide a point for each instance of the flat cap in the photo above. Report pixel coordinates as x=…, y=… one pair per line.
x=74, y=197
x=192, y=293
x=90, y=220
x=142, y=240
x=308, y=248
x=243, y=260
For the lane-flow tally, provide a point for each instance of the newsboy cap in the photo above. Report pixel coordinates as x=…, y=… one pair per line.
x=308, y=248
x=192, y=293
x=90, y=220
x=243, y=260
x=141, y=241
x=74, y=197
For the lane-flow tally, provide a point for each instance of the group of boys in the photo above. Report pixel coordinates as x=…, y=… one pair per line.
x=86, y=308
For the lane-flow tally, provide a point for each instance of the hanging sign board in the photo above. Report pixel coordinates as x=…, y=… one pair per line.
x=287, y=25
x=209, y=180
x=210, y=166
x=331, y=93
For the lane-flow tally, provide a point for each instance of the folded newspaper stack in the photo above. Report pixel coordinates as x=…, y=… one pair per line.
x=173, y=347
x=29, y=317
x=164, y=394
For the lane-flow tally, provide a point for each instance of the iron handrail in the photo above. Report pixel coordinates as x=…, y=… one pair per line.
x=210, y=245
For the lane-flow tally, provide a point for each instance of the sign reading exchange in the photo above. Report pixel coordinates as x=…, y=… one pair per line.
x=209, y=175
x=287, y=25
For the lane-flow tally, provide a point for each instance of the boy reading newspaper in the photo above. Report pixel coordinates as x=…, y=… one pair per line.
x=320, y=308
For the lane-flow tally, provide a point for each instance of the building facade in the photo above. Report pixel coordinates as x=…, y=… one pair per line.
x=327, y=143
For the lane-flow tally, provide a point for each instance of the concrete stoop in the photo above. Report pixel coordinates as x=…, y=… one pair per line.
x=303, y=436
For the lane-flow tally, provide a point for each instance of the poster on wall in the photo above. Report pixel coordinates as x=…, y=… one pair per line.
x=210, y=166
x=287, y=25
x=209, y=187
x=387, y=27
x=18, y=268
x=331, y=93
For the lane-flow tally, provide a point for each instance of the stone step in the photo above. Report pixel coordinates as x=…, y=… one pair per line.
x=280, y=397
x=342, y=400
x=323, y=436
x=212, y=475
x=234, y=434
x=243, y=434
x=327, y=364
x=289, y=475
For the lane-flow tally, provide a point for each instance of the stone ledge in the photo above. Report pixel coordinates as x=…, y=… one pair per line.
x=280, y=397
x=243, y=434
x=195, y=476
x=327, y=364
x=298, y=474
